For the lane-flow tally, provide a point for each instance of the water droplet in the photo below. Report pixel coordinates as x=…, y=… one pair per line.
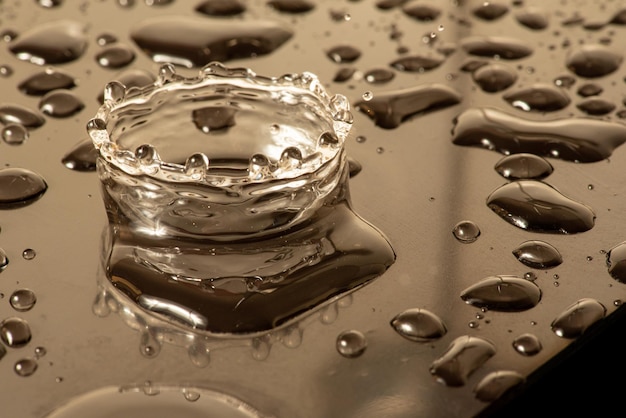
x=343, y=54
x=354, y=167
x=419, y=325
x=25, y=367
x=571, y=139
x=494, y=46
x=577, y=318
x=495, y=384
x=221, y=8
x=379, y=76
x=50, y=3
x=616, y=262
x=106, y=39
x=58, y=379
x=29, y=254
x=536, y=206
x=199, y=354
x=23, y=300
x=527, y=344
x=495, y=77
x=13, y=113
x=523, y=166
x=260, y=348
x=418, y=63
x=115, y=56
x=291, y=6
x=617, y=302
x=464, y=355
x=531, y=276
x=60, y=104
x=292, y=337
x=149, y=389
x=421, y=12
x=593, y=61
x=565, y=81
x=40, y=352
x=344, y=74
x=82, y=157
x=329, y=314
x=4, y=261
x=45, y=81
x=15, y=332
x=595, y=106
x=351, y=343
x=490, y=10
x=191, y=395
x=589, y=89
x=6, y=70
x=149, y=345
x=197, y=43
x=539, y=98
x=367, y=96
x=20, y=187
x=54, y=42
x=538, y=254
x=503, y=293
x=534, y=19
x=14, y=134
x=361, y=139
x=380, y=150
x=390, y=109
x=466, y=231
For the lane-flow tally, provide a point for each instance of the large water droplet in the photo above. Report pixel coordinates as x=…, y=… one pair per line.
x=42, y=82
x=577, y=318
x=533, y=18
x=418, y=63
x=466, y=232
x=523, y=166
x=23, y=300
x=503, y=293
x=343, y=54
x=291, y=6
x=81, y=157
x=490, y=10
x=115, y=56
x=502, y=47
x=593, y=61
x=495, y=384
x=589, y=89
x=571, y=139
x=51, y=43
x=379, y=76
x=14, y=134
x=221, y=7
x=14, y=113
x=527, y=344
x=190, y=42
x=494, y=77
x=419, y=325
x=25, y=367
x=20, y=187
x=351, y=343
x=60, y=104
x=15, y=332
x=536, y=206
x=538, y=98
x=464, y=355
x=595, y=106
x=538, y=254
x=421, y=12
x=390, y=109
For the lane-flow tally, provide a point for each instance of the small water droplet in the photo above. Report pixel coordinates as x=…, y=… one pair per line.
x=25, y=367
x=4, y=260
x=420, y=11
x=577, y=318
x=29, y=254
x=149, y=345
x=6, y=70
x=260, y=348
x=40, y=352
x=367, y=96
x=495, y=384
x=23, y=300
x=115, y=56
x=45, y=81
x=490, y=10
x=418, y=63
x=15, y=332
x=531, y=276
x=60, y=104
x=495, y=46
x=199, y=354
x=463, y=356
x=221, y=8
x=495, y=77
x=191, y=395
x=14, y=134
x=539, y=97
x=466, y=231
x=595, y=106
x=291, y=6
x=527, y=344
x=419, y=325
x=379, y=76
x=523, y=166
x=380, y=150
x=149, y=389
x=343, y=54
x=473, y=324
x=351, y=343
x=617, y=302
x=503, y=293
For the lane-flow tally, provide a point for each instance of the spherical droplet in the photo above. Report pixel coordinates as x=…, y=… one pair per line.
x=29, y=254
x=351, y=343
x=466, y=232
x=15, y=332
x=25, y=367
x=527, y=344
x=23, y=300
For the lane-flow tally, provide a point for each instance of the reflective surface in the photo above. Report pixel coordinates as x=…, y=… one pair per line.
x=417, y=183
